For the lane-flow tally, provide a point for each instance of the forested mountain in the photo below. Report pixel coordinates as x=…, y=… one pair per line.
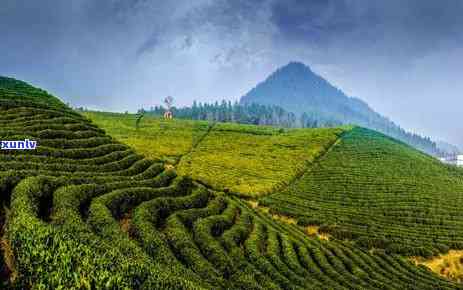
x=296, y=88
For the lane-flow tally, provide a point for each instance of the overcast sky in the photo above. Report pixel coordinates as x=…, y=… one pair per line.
x=405, y=58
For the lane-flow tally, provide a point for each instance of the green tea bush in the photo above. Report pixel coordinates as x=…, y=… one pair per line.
x=380, y=193
x=84, y=211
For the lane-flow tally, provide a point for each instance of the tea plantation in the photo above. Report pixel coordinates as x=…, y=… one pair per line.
x=155, y=138
x=380, y=193
x=246, y=160
x=250, y=162
x=84, y=211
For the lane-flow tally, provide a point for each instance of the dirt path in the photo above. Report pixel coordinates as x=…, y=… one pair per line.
x=196, y=144
x=309, y=164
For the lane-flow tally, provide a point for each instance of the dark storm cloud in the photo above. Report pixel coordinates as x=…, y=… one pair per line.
x=410, y=28
x=403, y=57
x=314, y=21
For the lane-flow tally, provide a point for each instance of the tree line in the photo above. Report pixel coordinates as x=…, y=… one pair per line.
x=272, y=115
x=255, y=114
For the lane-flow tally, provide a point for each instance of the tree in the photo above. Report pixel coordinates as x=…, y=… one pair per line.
x=304, y=119
x=140, y=115
x=169, y=101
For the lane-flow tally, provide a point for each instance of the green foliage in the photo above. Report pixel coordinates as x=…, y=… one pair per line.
x=244, y=159
x=242, y=114
x=252, y=161
x=155, y=138
x=381, y=193
x=86, y=212
x=51, y=257
x=12, y=90
x=138, y=120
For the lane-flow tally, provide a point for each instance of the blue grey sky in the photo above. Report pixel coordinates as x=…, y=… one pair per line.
x=403, y=57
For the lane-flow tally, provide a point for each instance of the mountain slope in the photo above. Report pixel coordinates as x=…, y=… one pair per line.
x=296, y=88
x=244, y=160
x=381, y=193
x=86, y=212
x=49, y=192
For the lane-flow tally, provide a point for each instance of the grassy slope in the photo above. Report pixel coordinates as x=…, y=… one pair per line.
x=85, y=212
x=155, y=138
x=380, y=193
x=252, y=163
x=244, y=159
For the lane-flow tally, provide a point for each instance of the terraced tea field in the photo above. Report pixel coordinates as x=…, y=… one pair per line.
x=84, y=211
x=156, y=138
x=242, y=159
x=249, y=162
x=380, y=193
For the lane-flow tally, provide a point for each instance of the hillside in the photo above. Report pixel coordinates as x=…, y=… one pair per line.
x=242, y=159
x=157, y=138
x=296, y=88
x=352, y=183
x=84, y=211
x=380, y=193
x=251, y=162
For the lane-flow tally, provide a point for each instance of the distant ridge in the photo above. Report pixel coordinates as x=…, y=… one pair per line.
x=296, y=88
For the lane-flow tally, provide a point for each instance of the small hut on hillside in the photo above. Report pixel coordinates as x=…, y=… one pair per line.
x=168, y=115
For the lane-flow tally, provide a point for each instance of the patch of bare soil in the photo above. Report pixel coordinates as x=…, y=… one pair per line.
x=449, y=265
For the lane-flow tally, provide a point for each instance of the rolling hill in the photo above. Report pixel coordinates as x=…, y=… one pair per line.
x=241, y=159
x=85, y=211
x=296, y=88
x=352, y=182
x=380, y=193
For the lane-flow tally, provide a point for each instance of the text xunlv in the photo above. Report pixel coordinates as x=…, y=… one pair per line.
x=18, y=145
